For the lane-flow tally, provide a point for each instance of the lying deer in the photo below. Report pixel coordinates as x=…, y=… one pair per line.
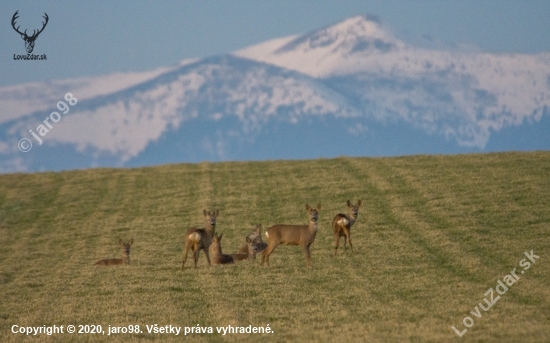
x=341, y=224
x=256, y=239
x=200, y=239
x=302, y=235
x=249, y=250
x=116, y=261
x=216, y=250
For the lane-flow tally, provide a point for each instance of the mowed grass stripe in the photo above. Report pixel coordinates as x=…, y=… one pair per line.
x=472, y=236
x=397, y=262
x=402, y=223
x=32, y=237
x=407, y=207
x=495, y=261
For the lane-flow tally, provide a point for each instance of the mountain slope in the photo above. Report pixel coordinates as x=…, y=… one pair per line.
x=461, y=95
x=351, y=88
x=247, y=93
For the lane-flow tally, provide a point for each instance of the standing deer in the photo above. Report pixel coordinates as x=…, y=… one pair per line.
x=341, y=224
x=116, y=261
x=302, y=235
x=200, y=239
x=256, y=238
x=216, y=250
x=29, y=40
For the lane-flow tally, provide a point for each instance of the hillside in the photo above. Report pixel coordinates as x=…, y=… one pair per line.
x=433, y=235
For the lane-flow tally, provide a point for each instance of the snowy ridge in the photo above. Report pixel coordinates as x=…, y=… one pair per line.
x=20, y=100
x=483, y=91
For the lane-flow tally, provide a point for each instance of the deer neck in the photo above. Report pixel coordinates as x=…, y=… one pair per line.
x=210, y=231
x=313, y=226
x=352, y=218
x=126, y=259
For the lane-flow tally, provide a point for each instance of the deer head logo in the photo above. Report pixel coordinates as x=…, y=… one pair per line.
x=29, y=40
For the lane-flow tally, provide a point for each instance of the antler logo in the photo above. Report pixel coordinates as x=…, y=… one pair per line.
x=29, y=40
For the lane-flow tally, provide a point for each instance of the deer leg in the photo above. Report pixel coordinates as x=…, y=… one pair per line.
x=345, y=233
x=185, y=256
x=263, y=258
x=337, y=240
x=306, y=252
x=196, y=256
x=266, y=253
x=207, y=256
x=349, y=239
x=345, y=241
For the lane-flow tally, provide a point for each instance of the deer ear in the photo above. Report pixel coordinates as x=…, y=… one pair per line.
x=318, y=207
x=307, y=207
x=217, y=212
x=248, y=240
x=349, y=203
x=359, y=203
x=205, y=213
x=120, y=242
x=131, y=241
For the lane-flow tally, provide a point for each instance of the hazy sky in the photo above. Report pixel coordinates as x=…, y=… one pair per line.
x=99, y=37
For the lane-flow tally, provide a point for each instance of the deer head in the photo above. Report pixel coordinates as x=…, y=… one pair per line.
x=29, y=40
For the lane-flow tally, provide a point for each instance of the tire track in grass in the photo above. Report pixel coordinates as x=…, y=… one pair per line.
x=439, y=229
x=434, y=239
x=192, y=285
x=89, y=236
x=384, y=263
x=199, y=201
x=407, y=244
x=439, y=225
x=214, y=281
x=440, y=264
x=497, y=256
x=24, y=264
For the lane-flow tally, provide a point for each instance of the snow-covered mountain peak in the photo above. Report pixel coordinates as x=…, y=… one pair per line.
x=320, y=53
x=349, y=36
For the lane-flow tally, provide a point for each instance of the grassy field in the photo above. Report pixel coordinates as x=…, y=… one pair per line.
x=434, y=234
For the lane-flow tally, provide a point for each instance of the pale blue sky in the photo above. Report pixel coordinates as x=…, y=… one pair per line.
x=99, y=37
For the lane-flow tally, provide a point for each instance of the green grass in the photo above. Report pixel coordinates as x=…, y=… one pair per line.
x=433, y=235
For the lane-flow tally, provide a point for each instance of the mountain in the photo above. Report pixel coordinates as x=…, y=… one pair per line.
x=460, y=95
x=347, y=89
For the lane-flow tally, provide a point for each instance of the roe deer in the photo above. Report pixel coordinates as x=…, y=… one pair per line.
x=341, y=224
x=256, y=238
x=249, y=254
x=200, y=239
x=302, y=235
x=116, y=261
x=216, y=250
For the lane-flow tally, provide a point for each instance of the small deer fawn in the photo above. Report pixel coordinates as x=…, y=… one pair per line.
x=200, y=239
x=216, y=250
x=341, y=224
x=116, y=261
x=256, y=242
x=302, y=235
